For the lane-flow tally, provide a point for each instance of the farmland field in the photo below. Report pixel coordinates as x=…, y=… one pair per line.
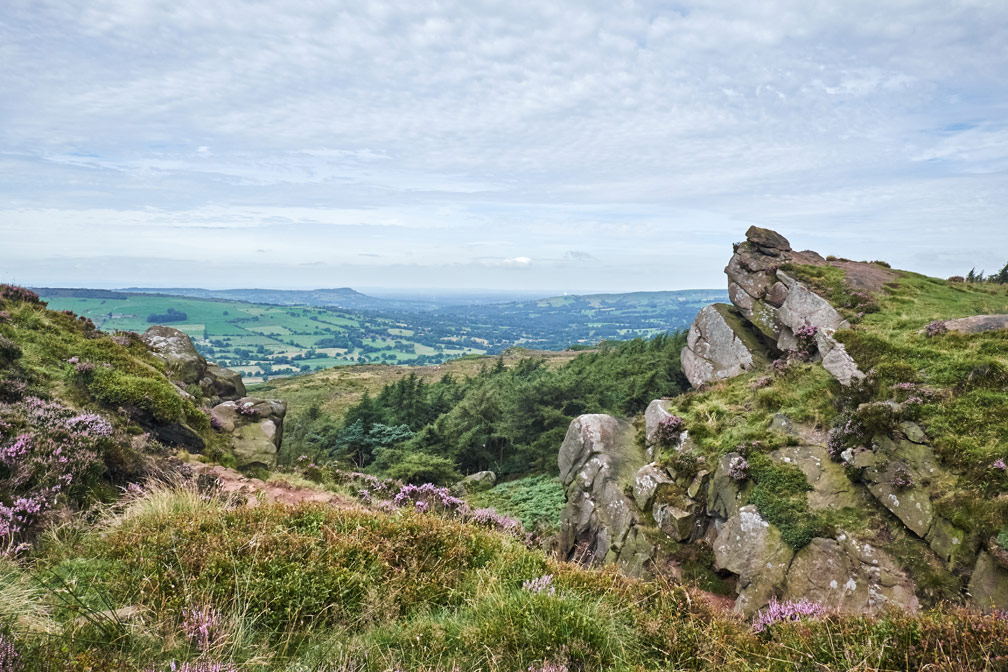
x=264, y=341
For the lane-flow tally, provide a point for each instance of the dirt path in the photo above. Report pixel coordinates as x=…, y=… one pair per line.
x=255, y=491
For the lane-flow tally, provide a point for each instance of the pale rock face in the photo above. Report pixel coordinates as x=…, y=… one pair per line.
x=977, y=323
x=646, y=484
x=831, y=489
x=849, y=575
x=255, y=435
x=753, y=549
x=175, y=349
x=988, y=586
x=723, y=492
x=718, y=346
x=654, y=414
x=597, y=459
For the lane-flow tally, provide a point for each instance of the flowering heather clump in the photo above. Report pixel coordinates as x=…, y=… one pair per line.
x=669, y=430
x=48, y=450
x=760, y=382
x=807, y=346
x=203, y=627
x=999, y=464
x=436, y=498
x=215, y=423
x=901, y=479
x=421, y=506
x=247, y=409
x=738, y=469
x=843, y=436
x=787, y=611
x=10, y=661
x=491, y=518
x=4, y=316
x=16, y=293
x=781, y=365
x=936, y=328
x=365, y=495
x=203, y=666
x=542, y=584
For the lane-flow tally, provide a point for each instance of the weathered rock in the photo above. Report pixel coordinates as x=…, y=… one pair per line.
x=180, y=434
x=768, y=239
x=977, y=323
x=654, y=414
x=648, y=480
x=783, y=424
x=849, y=575
x=831, y=488
x=255, y=427
x=988, y=587
x=719, y=345
x=676, y=515
x=777, y=305
x=946, y=540
x=481, y=480
x=753, y=549
x=893, y=462
x=225, y=384
x=913, y=432
x=724, y=493
x=176, y=350
x=597, y=460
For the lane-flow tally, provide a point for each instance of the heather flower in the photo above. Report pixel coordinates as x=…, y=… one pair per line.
x=787, y=611
x=199, y=666
x=215, y=423
x=669, y=430
x=542, y=584
x=203, y=627
x=548, y=667
x=10, y=661
x=807, y=346
x=84, y=367
x=365, y=495
x=936, y=328
x=999, y=464
x=421, y=506
x=901, y=478
x=738, y=468
x=16, y=293
x=490, y=518
x=247, y=409
x=760, y=382
x=4, y=316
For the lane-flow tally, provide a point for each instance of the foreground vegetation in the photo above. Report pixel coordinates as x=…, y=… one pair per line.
x=317, y=588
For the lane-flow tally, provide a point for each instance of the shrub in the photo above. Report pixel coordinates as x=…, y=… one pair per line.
x=9, y=350
x=807, y=346
x=19, y=294
x=900, y=477
x=787, y=611
x=669, y=431
x=936, y=328
x=738, y=469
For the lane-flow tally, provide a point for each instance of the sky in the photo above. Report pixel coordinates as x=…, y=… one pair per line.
x=548, y=145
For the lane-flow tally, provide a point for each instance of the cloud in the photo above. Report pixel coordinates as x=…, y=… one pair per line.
x=430, y=132
x=518, y=261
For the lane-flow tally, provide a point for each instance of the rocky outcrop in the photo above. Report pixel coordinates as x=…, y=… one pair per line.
x=254, y=428
x=831, y=488
x=977, y=324
x=849, y=575
x=186, y=366
x=753, y=549
x=600, y=524
x=720, y=344
x=769, y=307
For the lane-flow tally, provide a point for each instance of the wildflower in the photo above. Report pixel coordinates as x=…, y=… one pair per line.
x=203, y=626
x=669, y=430
x=10, y=661
x=542, y=584
x=781, y=612
x=936, y=328
x=738, y=468
x=999, y=464
x=901, y=478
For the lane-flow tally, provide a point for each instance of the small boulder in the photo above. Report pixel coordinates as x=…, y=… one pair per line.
x=481, y=480
x=647, y=482
x=255, y=427
x=977, y=324
x=767, y=239
x=225, y=384
x=176, y=350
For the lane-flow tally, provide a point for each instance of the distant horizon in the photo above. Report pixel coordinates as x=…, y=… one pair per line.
x=611, y=147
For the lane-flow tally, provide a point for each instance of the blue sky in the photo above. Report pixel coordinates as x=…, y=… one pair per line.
x=569, y=146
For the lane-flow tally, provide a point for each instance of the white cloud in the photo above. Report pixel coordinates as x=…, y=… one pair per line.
x=636, y=130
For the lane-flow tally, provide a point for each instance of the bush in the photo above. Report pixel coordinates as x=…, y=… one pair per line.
x=419, y=467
